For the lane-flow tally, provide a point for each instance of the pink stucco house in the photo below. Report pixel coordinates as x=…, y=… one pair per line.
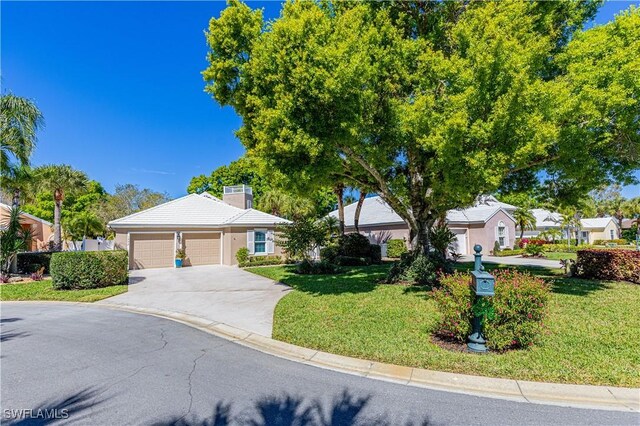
x=486, y=222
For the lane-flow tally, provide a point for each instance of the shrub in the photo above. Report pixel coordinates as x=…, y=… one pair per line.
x=329, y=253
x=609, y=264
x=352, y=261
x=507, y=252
x=242, y=255
x=261, y=261
x=354, y=245
x=496, y=248
x=89, y=269
x=531, y=241
x=518, y=309
x=307, y=267
x=534, y=249
x=396, y=248
x=32, y=261
x=419, y=270
x=376, y=254
x=619, y=242
x=564, y=248
x=38, y=275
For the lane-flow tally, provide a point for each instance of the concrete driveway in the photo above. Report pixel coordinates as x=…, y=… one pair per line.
x=222, y=294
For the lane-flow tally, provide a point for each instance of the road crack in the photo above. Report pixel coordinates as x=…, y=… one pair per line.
x=190, y=385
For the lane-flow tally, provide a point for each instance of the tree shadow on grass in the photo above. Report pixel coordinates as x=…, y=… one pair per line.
x=351, y=280
x=6, y=336
x=289, y=410
x=5, y=320
x=72, y=407
x=577, y=286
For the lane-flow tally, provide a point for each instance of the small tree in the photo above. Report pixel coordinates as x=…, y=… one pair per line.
x=13, y=238
x=301, y=238
x=525, y=220
x=441, y=238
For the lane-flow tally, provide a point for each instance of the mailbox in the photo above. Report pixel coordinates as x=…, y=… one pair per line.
x=483, y=283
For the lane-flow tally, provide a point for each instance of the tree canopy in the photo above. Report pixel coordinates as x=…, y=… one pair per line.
x=433, y=103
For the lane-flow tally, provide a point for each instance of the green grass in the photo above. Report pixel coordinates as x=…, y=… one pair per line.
x=591, y=328
x=560, y=256
x=42, y=290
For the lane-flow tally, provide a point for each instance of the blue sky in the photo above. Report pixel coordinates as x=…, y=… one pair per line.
x=120, y=87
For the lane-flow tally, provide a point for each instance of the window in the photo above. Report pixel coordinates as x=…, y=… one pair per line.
x=260, y=244
x=502, y=234
x=611, y=234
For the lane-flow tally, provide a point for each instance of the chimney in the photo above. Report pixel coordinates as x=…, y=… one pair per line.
x=240, y=196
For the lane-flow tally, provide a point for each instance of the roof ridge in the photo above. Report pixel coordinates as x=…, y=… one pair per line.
x=152, y=208
x=236, y=217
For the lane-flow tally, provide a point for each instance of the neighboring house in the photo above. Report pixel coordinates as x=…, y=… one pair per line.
x=545, y=220
x=210, y=230
x=485, y=223
x=41, y=231
x=599, y=228
x=628, y=223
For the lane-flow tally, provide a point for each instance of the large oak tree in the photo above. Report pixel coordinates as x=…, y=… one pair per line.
x=433, y=102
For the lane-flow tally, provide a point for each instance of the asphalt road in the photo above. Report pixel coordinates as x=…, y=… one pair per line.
x=107, y=367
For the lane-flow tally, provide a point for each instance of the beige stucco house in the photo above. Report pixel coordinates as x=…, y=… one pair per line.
x=210, y=230
x=599, y=228
x=484, y=223
x=41, y=230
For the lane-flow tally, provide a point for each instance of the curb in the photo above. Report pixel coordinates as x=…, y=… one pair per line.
x=566, y=395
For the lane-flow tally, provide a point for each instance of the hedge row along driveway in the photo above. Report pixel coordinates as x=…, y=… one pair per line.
x=590, y=337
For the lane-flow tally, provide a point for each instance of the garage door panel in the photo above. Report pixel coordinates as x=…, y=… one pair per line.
x=201, y=249
x=151, y=251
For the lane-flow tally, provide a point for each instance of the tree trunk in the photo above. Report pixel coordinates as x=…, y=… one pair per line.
x=356, y=217
x=57, y=214
x=16, y=199
x=339, y=191
x=521, y=231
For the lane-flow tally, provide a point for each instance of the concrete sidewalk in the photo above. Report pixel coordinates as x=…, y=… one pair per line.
x=218, y=294
x=514, y=260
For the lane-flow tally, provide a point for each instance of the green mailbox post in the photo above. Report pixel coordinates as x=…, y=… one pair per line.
x=484, y=285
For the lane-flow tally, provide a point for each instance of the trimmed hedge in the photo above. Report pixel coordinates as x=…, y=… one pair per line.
x=509, y=252
x=89, y=269
x=396, y=248
x=620, y=242
x=352, y=261
x=261, y=261
x=513, y=318
x=609, y=264
x=30, y=262
x=307, y=267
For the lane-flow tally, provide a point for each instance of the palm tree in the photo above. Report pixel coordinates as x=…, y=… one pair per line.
x=82, y=225
x=17, y=181
x=59, y=179
x=525, y=220
x=20, y=120
x=13, y=238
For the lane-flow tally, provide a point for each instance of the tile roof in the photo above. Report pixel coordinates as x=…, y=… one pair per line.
x=196, y=210
x=546, y=218
x=596, y=222
x=30, y=216
x=377, y=212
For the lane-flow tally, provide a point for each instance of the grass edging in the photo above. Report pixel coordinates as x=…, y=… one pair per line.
x=44, y=291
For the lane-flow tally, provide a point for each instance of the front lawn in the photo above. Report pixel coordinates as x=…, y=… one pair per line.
x=560, y=256
x=592, y=327
x=42, y=290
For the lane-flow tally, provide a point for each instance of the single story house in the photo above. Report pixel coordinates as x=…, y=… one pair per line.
x=545, y=221
x=599, y=228
x=208, y=229
x=591, y=229
x=486, y=222
x=41, y=230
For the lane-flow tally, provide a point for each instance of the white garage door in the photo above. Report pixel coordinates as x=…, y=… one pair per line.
x=151, y=251
x=201, y=249
x=460, y=244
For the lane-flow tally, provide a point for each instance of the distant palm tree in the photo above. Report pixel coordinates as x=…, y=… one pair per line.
x=571, y=223
x=19, y=123
x=59, y=179
x=16, y=182
x=525, y=220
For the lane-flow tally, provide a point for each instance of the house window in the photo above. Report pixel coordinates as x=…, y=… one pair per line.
x=585, y=236
x=502, y=234
x=612, y=236
x=260, y=244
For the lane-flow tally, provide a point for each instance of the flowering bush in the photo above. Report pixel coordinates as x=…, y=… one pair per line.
x=519, y=306
x=529, y=241
x=609, y=264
